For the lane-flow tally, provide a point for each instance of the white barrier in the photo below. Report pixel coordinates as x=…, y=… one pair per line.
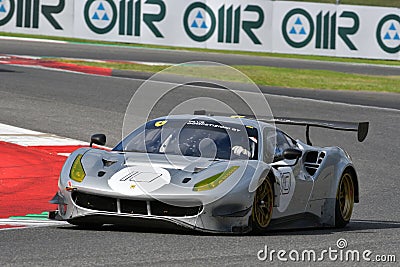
x=259, y=25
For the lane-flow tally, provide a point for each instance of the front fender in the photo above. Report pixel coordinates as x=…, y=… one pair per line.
x=327, y=179
x=64, y=175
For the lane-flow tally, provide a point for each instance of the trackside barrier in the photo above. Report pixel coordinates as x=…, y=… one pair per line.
x=257, y=25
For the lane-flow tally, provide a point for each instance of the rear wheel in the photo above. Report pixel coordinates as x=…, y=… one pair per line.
x=262, y=207
x=344, y=200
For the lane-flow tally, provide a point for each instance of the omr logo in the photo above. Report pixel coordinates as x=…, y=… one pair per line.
x=298, y=28
x=3, y=8
x=388, y=34
x=103, y=13
x=392, y=31
x=199, y=22
x=6, y=10
x=28, y=11
x=100, y=15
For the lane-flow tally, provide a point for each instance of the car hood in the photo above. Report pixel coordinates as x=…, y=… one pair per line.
x=94, y=158
x=121, y=171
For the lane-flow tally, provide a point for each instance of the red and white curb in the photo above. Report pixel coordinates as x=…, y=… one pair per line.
x=38, y=62
x=25, y=137
x=31, y=164
x=45, y=63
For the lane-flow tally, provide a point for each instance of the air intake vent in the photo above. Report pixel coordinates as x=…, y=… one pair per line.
x=94, y=202
x=163, y=209
x=133, y=206
x=313, y=160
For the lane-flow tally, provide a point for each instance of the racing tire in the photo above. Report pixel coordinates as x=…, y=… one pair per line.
x=344, y=200
x=263, y=205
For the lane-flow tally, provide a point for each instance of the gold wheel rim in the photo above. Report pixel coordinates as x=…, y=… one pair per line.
x=263, y=204
x=346, y=196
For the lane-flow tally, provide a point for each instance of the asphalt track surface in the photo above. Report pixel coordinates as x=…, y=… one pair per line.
x=76, y=106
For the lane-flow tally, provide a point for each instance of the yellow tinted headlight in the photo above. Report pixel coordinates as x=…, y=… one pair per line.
x=215, y=180
x=77, y=172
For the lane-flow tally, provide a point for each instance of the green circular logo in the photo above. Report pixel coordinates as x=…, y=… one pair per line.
x=8, y=10
x=298, y=35
x=198, y=26
x=388, y=33
x=99, y=19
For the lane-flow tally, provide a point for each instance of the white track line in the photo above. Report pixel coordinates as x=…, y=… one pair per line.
x=32, y=40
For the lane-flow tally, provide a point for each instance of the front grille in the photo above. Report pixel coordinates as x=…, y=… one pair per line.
x=133, y=206
x=102, y=203
x=162, y=209
x=94, y=202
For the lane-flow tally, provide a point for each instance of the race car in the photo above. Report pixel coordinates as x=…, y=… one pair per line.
x=211, y=172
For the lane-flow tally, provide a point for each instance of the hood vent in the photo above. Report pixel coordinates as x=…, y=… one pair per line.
x=108, y=163
x=198, y=169
x=186, y=180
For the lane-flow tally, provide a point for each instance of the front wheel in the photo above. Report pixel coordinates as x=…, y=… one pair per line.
x=344, y=200
x=262, y=207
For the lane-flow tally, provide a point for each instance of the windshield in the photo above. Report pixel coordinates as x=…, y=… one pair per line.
x=195, y=138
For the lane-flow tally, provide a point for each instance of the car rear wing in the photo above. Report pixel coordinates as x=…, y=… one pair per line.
x=360, y=127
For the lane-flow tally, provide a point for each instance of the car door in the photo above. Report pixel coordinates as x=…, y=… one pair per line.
x=292, y=190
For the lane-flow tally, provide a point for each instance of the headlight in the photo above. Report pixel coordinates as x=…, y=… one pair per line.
x=215, y=180
x=77, y=172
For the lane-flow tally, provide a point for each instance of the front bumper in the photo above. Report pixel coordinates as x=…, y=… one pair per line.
x=222, y=216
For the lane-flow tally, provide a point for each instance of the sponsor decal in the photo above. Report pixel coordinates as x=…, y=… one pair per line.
x=160, y=123
x=206, y=124
x=139, y=180
x=285, y=183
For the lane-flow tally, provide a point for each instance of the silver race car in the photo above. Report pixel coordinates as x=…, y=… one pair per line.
x=211, y=172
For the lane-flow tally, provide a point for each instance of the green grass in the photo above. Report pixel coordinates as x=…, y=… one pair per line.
x=262, y=54
x=386, y=3
x=271, y=76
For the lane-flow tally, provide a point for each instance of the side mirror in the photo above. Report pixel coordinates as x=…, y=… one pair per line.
x=98, y=139
x=292, y=153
